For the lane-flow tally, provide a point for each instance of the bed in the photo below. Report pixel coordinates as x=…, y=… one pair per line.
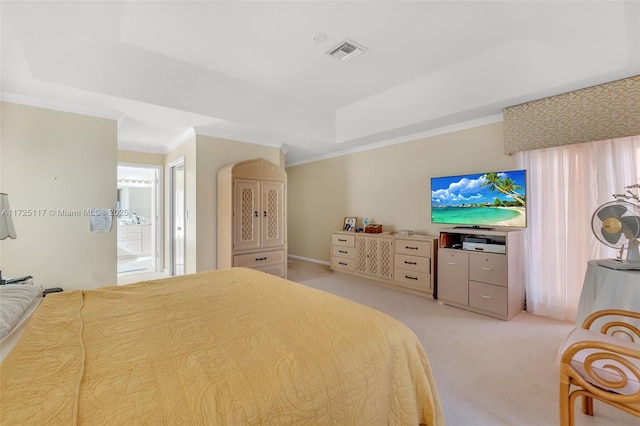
x=232, y=346
x=17, y=304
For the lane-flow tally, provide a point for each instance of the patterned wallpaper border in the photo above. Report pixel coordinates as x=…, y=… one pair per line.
x=607, y=111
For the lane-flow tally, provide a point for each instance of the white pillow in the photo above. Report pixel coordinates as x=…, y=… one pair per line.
x=15, y=300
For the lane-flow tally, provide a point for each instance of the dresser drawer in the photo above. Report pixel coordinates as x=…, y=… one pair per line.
x=343, y=240
x=123, y=236
x=413, y=248
x=129, y=247
x=453, y=276
x=412, y=263
x=128, y=228
x=488, y=297
x=342, y=263
x=253, y=260
x=488, y=269
x=413, y=280
x=342, y=251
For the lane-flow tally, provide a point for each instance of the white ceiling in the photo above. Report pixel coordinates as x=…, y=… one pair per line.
x=251, y=71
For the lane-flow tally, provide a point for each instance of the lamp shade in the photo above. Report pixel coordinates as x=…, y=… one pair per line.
x=6, y=222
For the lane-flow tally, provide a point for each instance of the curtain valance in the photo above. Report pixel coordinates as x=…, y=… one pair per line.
x=607, y=111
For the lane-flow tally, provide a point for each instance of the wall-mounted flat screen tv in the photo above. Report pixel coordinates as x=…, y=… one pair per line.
x=485, y=200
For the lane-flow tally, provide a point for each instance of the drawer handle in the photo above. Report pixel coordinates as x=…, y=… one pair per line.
x=486, y=269
x=341, y=240
x=411, y=278
x=342, y=251
x=411, y=248
x=255, y=214
x=486, y=297
x=451, y=263
x=342, y=263
x=410, y=263
x=265, y=213
x=260, y=258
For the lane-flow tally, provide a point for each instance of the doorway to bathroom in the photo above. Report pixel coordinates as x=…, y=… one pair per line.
x=139, y=223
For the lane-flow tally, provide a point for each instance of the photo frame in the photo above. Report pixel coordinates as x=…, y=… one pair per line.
x=349, y=224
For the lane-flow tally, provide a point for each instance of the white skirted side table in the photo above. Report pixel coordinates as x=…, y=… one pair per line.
x=606, y=288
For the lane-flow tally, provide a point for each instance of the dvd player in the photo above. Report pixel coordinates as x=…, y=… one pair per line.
x=489, y=248
x=470, y=239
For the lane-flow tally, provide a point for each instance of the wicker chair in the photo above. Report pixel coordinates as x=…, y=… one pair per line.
x=603, y=364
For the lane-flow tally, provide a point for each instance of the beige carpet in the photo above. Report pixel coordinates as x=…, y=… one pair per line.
x=488, y=371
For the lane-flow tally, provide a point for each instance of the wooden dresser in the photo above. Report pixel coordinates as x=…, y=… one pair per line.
x=415, y=265
x=399, y=262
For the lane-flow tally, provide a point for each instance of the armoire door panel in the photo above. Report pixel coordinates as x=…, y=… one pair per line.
x=247, y=215
x=272, y=212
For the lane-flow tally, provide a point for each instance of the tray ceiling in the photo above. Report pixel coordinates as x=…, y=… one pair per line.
x=258, y=71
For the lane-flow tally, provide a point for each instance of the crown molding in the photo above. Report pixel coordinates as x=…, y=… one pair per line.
x=406, y=138
x=186, y=135
x=132, y=146
x=59, y=106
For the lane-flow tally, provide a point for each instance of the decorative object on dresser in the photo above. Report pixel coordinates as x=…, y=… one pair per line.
x=349, y=224
x=373, y=229
x=480, y=277
x=406, y=263
x=251, y=216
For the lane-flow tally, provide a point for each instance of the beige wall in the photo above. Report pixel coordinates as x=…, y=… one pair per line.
x=204, y=155
x=69, y=161
x=53, y=160
x=389, y=184
x=140, y=158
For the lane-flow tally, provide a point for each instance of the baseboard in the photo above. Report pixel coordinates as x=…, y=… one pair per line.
x=308, y=259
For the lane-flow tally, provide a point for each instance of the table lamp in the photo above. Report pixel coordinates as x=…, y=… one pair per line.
x=6, y=222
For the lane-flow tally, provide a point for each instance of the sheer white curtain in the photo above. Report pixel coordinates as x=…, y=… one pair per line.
x=566, y=185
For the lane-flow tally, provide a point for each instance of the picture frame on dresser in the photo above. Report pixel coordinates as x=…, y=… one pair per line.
x=349, y=224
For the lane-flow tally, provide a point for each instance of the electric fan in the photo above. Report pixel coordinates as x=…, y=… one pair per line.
x=617, y=224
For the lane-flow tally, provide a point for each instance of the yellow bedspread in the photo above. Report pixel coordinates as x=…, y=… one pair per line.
x=233, y=346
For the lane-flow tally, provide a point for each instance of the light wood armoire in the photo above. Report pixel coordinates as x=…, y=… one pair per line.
x=252, y=229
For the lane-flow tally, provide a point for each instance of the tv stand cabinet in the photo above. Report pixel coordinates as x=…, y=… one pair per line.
x=486, y=278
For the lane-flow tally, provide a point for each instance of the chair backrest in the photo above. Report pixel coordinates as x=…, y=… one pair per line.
x=615, y=322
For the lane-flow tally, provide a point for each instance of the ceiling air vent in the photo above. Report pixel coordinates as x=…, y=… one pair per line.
x=346, y=50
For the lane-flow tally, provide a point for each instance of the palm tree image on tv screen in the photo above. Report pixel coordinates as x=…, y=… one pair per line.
x=482, y=199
